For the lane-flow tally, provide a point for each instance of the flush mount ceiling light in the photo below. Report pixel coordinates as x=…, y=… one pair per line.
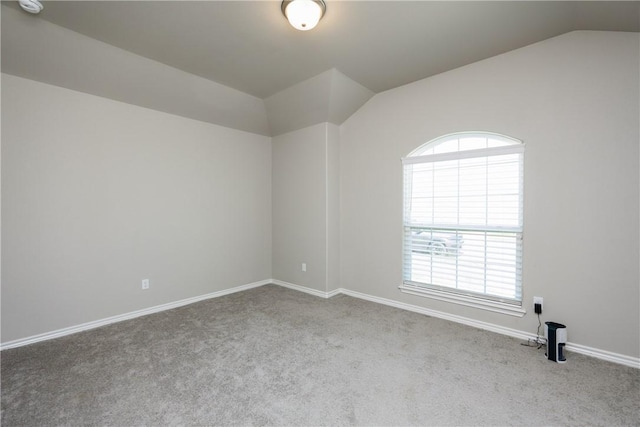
x=303, y=15
x=31, y=6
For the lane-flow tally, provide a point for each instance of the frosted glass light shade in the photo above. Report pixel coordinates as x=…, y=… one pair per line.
x=303, y=15
x=31, y=6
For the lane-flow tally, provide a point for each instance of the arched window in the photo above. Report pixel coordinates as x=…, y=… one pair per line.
x=463, y=220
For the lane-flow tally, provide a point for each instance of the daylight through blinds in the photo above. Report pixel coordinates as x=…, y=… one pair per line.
x=463, y=216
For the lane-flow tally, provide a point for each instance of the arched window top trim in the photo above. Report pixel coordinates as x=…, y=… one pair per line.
x=464, y=141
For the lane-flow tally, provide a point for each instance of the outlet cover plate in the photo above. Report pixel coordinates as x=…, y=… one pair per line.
x=538, y=300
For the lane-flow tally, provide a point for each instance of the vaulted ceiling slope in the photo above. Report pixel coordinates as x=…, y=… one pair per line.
x=39, y=50
x=239, y=64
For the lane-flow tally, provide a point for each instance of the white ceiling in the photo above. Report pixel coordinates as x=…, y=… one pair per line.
x=249, y=46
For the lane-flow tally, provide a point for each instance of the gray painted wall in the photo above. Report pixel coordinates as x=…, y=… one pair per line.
x=98, y=194
x=299, y=207
x=306, y=207
x=333, y=207
x=574, y=101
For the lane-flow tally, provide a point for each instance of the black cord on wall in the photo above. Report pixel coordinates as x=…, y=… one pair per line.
x=538, y=342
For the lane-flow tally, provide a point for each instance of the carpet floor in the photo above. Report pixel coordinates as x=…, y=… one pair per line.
x=274, y=356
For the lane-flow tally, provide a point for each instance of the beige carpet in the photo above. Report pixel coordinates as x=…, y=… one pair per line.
x=273, y=356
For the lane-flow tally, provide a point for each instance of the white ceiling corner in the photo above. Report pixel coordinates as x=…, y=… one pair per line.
x=328, y=97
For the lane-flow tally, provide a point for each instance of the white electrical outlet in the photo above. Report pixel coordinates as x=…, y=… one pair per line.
x=304, y=266
x=538, y=300
x=145, y=283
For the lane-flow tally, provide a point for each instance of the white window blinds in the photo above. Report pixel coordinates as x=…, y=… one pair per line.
x=463, y=218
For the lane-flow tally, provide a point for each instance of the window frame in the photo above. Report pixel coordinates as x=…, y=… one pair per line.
x=506, y=145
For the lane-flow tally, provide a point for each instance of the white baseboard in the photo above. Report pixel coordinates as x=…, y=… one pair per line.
x=121, y=317
x=442, y=315
x=305, y=289
x=622, y=359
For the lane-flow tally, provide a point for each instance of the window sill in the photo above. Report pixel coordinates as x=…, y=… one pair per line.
x=469, y=301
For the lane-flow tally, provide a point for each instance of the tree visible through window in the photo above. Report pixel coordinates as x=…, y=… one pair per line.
x=463, y=217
